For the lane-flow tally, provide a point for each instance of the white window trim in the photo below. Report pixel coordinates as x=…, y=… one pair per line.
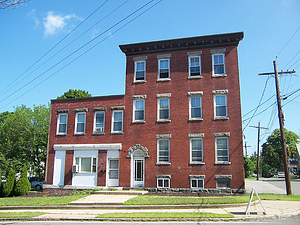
x=215, y=106
x=79, y=164
x=134, y=109
x=216, y=151
x=76, y=122
x=197, y=179
x=213, y=64
x=194, y=56
x=158, y=109
x=190, y=107
x=58, y=123
x=191, y=158
x=135, y=67
x=169, y=70
x=163, y=162
x=95, y=131
x=163, y=179
x=112, y=121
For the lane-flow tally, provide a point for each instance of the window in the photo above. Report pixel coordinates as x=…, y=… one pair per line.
x=138, y=110
x=163, y=182
x=140, y=71
x=99, y=122
x=80, y=123
x=117, y=122
x=220, y=106
x=196, y=150
x=223, y=183
x=163, y=109
x=218, y=64
x=62, y=124
x=163, y=151
x=197, y=183
x=194, y=66
x=86, y=164
x=222, y=149
x=195, y=108
x=164, y=68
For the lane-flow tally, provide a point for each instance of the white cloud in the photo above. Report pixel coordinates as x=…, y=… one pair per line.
x=32, y=15
x=55, y=23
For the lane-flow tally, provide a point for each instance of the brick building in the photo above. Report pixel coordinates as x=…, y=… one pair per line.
x=177, y=126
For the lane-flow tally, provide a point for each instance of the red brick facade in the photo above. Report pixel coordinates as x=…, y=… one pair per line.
x=142, y=137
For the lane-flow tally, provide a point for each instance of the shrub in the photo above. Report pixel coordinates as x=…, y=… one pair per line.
x=23, y=185
x=8, y=187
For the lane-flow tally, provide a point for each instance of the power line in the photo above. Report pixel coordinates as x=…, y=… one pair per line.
x=54, y=46
x=288, y=41
x=71, y=41
x=92, y=46
x=120, y=21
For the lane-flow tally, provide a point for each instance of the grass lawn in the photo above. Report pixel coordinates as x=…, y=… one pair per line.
x=158, y=215
x=39, y=201
x=145, y=200
x=20, y=214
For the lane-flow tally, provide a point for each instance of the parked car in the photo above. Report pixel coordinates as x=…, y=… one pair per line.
x=36, y=183
x=281, y=175
x=270, y=175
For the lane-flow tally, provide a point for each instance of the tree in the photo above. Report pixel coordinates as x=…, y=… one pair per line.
x=272, y=152
x=8, y=187
x=23, y=139
x=4, y=4
x=249, y=166
x=23, y=185
x=74, y=93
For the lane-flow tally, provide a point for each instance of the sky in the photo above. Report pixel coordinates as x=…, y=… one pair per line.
x=48, y=47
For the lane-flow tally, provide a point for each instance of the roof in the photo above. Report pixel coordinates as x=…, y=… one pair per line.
x=183, y=43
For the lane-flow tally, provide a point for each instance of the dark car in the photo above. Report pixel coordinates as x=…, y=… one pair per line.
x=270, y=175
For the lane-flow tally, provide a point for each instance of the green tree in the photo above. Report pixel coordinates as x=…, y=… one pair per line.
x=23, y=185
x=23, y=139
x=249, y=165
x=8, y=187
x=74, y=93
x=272, y=152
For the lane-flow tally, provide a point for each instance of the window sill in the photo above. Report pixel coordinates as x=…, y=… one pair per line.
x=139, y=81
x=222, y=163
x=60, y=135
x=194, y=77
x=117, y=133
x=195, y=119
x=163, y=79
x=221, y=118
x=79, y=134
x=163, y=121
x=163, y=164
x=98, y=133
x=219, y=75
x=139, y=122
x=197, y=163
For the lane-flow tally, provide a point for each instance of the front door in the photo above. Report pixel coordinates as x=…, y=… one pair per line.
x=138, y=172
x=113, y=173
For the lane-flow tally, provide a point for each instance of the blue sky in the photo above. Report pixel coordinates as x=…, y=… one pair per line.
x=40, y=59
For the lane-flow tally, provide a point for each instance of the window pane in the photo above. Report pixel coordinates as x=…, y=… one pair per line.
x=118, y=116
x=221, y=143
x=220, y=100
x=160, y=183
x=140, y=66
x=139, y=115
x=80, y=128
x=221, y=111
x=62, y=128
x=164, y=64
x=85, y=164
x=166, y=183
x=99, y=117
x=63, y=119
x=81, y=118
x=139, y=104
x=117, y=126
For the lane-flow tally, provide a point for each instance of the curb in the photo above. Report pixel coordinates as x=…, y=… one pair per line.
x=273, y=217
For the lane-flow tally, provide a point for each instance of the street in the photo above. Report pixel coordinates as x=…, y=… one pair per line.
x=280, y=182
x=290, y=221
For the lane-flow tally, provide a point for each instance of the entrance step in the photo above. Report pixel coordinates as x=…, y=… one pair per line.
x=120, y=192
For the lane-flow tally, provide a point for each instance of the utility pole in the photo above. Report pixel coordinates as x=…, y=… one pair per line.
x=281, y=124
x=246, y=147
x=258, y=144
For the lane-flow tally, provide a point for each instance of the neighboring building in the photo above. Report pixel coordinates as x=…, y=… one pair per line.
x=177, y=126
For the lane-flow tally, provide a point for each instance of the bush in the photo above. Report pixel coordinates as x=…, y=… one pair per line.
x=23, y=185
x=8, y=187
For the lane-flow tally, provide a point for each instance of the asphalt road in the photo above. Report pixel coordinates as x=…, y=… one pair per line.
x=280, y=182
